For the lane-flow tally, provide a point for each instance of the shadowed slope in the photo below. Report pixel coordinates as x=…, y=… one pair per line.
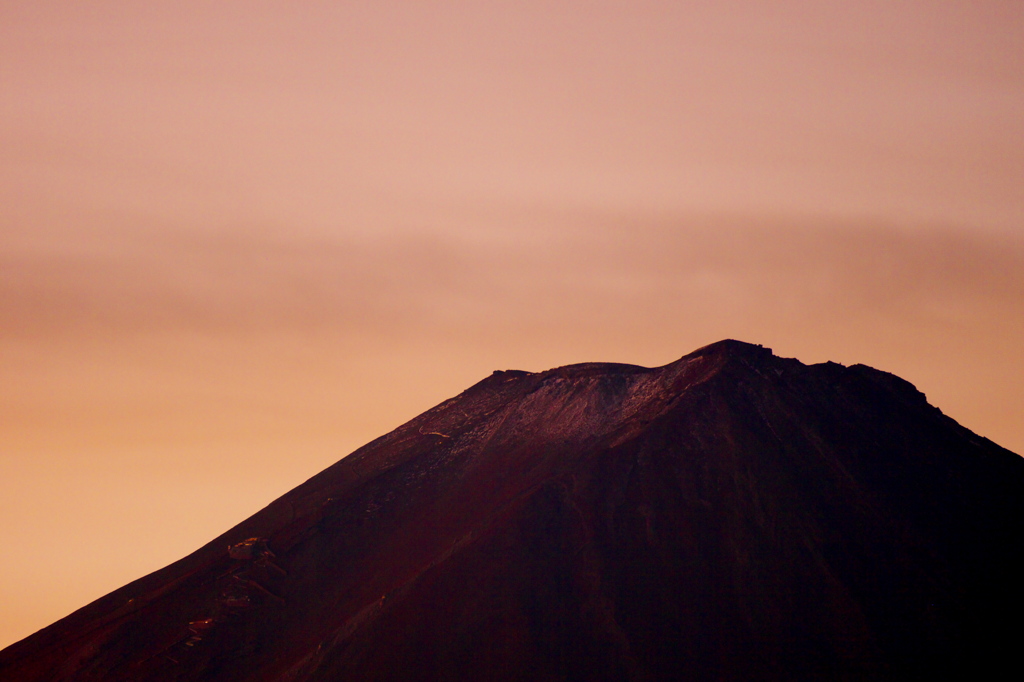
x=732, y=515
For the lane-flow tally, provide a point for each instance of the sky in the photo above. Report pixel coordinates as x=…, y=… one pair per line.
x=240, y=239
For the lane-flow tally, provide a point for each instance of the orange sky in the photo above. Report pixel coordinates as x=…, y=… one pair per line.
x=238, y=241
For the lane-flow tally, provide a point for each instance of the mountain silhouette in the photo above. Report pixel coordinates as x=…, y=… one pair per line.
x=732, y=515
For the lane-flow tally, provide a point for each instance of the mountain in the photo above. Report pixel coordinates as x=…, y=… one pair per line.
x=730, y=516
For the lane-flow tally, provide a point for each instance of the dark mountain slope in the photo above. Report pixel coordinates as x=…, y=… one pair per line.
x=732, y=515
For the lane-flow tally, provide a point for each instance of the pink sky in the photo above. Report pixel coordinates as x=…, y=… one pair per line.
x=237, y=242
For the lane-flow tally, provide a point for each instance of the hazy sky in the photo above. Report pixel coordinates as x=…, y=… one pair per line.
x=240, y=239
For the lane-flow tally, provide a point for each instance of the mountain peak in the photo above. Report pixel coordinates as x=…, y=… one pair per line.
x=732, y=348
x=730, y=515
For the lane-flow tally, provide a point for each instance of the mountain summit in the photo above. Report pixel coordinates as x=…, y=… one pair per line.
x=732, y=515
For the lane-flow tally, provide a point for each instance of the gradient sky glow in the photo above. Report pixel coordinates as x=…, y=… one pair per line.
x=240, y=239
